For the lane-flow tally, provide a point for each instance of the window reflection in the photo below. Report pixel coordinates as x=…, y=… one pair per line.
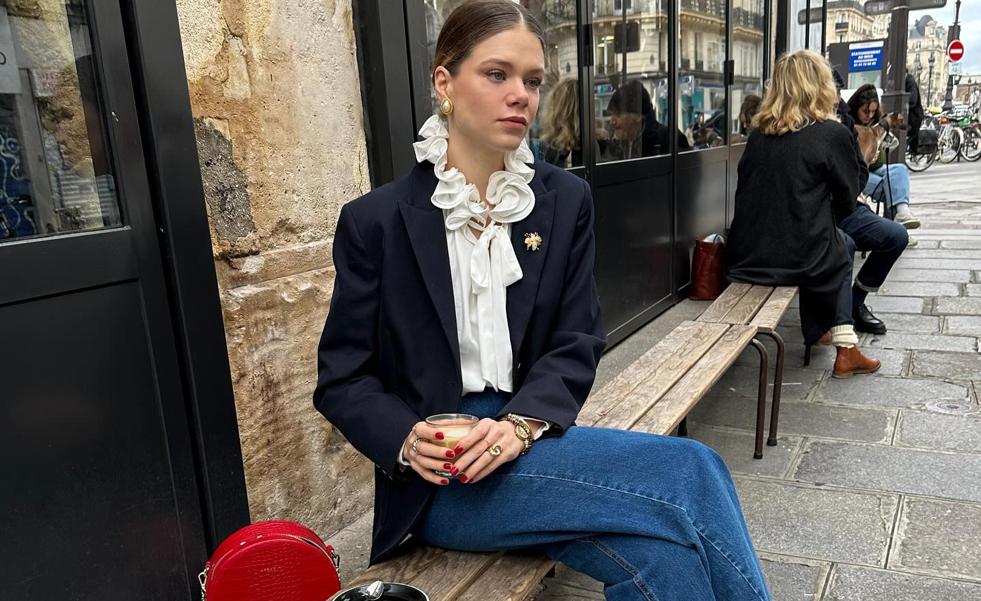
x=555, y=135
x=747, y=57
x=701, y=87
x=630, y=79
x=55, y=175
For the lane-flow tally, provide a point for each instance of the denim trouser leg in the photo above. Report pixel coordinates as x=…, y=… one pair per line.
x=891, y=190
x=652, y=517
x=884, y=239
x=843, y=310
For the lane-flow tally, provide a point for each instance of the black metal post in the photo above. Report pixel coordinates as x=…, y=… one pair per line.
x=954, y=33
x=895, y=98
x=931, y=60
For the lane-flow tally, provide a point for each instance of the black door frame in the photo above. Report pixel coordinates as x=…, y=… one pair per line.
x=166, y=127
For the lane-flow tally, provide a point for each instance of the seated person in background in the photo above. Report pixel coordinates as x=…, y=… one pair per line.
x=747, y=110
x=560, y=125
x=635, y=129
x=798, y=175
x=887, y=183
x=866, y=231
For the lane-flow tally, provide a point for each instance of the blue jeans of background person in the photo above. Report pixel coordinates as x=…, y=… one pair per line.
x=884, y=240
x=652, y=517
x=892, y=190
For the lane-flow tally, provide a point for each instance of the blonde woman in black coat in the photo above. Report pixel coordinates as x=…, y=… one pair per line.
x=798, y=178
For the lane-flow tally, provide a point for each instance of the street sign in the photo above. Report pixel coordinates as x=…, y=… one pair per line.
x=884, y=7
x=865, y=56
x=955, y=51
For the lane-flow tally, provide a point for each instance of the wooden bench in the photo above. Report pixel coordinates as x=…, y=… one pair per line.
x=653, y=394
x=761, y=307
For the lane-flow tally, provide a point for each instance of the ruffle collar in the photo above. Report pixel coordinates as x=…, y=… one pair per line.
x=509, y=195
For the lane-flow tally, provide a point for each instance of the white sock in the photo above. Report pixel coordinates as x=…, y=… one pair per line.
x=844, y=336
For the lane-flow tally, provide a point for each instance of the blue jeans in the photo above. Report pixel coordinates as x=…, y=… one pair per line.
x=884, y=239
x=892, y=190
x=652, y=517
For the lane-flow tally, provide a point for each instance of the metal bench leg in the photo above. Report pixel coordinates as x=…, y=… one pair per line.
x=760, y=398
x=683, y=427
x=777, y=387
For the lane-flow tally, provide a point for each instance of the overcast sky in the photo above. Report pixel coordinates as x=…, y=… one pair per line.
x=970, y=29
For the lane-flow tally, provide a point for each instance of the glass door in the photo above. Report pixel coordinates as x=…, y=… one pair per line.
x=97, y=480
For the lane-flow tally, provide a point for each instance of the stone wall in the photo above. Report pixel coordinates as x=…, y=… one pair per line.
x=277, y=108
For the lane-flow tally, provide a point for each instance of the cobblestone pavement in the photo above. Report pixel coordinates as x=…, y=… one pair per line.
x=874, y=492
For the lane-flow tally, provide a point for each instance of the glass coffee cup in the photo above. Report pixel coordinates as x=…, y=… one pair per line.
x=454, y=427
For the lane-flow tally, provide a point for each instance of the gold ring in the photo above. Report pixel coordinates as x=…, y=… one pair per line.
x=495, y=450
x=415, y=445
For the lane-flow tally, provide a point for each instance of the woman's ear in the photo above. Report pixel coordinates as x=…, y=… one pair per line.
x=442, y=84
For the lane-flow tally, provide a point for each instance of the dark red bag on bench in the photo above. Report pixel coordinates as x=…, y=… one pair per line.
x=271, y=561
x=708, y=268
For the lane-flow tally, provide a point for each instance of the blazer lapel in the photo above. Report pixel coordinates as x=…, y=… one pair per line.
x=521, y=295
x=427, y=235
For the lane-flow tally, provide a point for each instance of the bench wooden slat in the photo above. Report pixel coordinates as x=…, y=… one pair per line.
x=674, y=405
x=772, y=312
x=726, y=301
x=668, y=361
x=512, y=577
x=748, y=306
x=404, y=568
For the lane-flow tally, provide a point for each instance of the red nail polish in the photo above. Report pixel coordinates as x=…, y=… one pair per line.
x=444, y=481
x=439, y=435
x=454, y=471
x=463, y=478
x=449, y=454
x=447, y=466
x=458, y=450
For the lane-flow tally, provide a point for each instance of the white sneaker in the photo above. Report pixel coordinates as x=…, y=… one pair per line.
x=905, y=217
x=913, y=242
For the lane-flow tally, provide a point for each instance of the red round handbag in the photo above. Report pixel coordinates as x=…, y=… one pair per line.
x=276, y=560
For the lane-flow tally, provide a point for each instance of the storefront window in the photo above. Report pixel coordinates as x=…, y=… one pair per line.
x=55, y=176
x=747, y=56
x=630, y=79
x=701, y=87
x=556, y=135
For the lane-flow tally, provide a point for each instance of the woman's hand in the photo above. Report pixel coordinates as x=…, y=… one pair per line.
x=425, y=457
x=476, y=462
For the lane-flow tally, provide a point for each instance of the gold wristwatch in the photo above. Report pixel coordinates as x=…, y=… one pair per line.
x=522, y=430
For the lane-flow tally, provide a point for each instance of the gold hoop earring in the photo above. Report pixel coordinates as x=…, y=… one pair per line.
x=446, y=107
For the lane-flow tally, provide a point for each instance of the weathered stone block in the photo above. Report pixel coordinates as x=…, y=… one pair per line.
x=878, y=467
x=831, y=525
x=926, y=342
x=929, y=275
x=940, y=538
x=800, y=419
x=959, y=306
x=296, y=465
x=919, y=289
x=854, y=583
x=890, y=392
x=956, y=366
x=939, y=431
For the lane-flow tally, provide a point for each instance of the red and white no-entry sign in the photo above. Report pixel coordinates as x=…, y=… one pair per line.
x=955, y=51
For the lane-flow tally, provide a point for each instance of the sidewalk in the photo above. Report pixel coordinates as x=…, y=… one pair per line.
x=874, y=492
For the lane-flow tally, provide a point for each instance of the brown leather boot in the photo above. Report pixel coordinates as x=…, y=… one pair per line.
x=851, y=361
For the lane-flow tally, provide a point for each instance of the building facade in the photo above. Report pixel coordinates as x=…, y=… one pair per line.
x=926, y=59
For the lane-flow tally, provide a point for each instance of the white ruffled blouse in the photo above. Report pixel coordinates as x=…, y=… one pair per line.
x=482, y=266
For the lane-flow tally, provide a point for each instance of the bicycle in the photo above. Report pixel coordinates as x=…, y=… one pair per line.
x=971, y=145
x=951, y=138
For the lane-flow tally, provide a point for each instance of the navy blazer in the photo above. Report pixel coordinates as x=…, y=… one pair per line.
x=389, y=355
